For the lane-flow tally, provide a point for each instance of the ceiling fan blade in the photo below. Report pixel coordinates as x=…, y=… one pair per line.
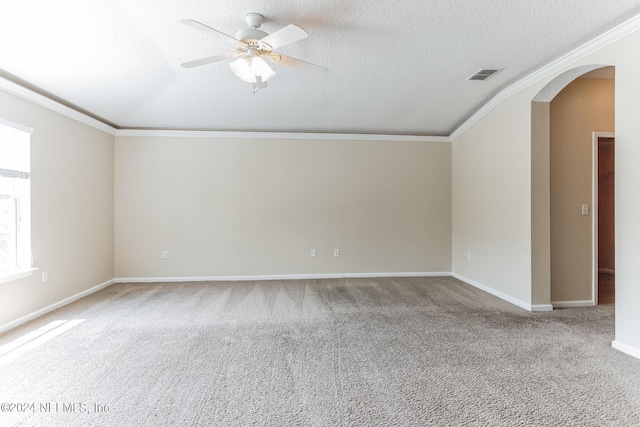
x=210, y=59
x=284, y=36
x=199, y=26
x=297, y=64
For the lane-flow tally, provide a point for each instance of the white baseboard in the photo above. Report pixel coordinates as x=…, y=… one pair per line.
x=502, y=295
x=277, y=277
x=541, y=307
x=24, y=319
x=631, y=351
x=572, y=304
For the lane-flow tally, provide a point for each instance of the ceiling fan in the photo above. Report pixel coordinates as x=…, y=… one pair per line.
x=252, y=45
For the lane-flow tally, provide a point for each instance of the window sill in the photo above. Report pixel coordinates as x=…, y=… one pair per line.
x=11, y=275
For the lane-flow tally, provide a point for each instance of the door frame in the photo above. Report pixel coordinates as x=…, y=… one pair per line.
x=594, y=211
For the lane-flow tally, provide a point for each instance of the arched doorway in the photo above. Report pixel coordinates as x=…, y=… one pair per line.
x=565, y=114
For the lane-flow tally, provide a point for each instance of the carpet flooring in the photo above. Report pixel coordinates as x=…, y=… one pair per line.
x=371, y=352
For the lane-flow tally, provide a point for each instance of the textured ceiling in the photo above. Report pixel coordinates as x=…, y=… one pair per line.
x=395, y=67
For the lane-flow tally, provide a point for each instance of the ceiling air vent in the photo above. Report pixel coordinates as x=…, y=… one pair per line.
x=484, y=74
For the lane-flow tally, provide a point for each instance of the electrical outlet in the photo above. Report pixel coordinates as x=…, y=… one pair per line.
x=469, y=256
x=165, y=254
x=45, y=276
x=314, y=252
x=336, y=252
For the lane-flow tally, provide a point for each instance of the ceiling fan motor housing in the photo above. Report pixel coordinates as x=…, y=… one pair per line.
x=250, y=34
x=254, y=21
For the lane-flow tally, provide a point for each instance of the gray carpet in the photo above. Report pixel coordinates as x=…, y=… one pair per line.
x=400, y=351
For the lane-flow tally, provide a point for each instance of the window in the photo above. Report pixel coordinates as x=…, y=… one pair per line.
x=15, y=198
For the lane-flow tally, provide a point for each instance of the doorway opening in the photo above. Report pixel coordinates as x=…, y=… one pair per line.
x=604, y=218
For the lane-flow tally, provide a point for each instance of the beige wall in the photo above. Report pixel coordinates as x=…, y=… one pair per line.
x=586, y=105
x=72, y=209
x=491, y=202
x=252, y=207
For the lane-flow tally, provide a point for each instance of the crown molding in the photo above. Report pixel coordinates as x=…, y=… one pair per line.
x=15, y=125
x=43, y=101
x=279, y=135
x=630, y=26
x=39, y=99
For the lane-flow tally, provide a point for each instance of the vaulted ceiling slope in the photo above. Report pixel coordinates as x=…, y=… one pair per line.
x=395, y=67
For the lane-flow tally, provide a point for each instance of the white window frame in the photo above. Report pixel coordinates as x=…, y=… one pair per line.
x=25, y=264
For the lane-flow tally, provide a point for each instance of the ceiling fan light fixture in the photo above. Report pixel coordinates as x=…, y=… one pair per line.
x=260, y=68
x=248, y=67
x=242, y=69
